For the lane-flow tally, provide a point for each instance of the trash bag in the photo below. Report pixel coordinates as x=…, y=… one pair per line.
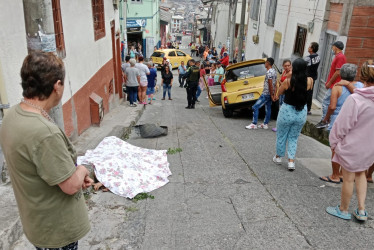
x=151, y=130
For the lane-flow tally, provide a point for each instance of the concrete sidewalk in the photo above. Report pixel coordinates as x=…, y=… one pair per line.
x=116, y=123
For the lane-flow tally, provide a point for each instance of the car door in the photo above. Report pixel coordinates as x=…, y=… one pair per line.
x=173, y=59
x=214, y=93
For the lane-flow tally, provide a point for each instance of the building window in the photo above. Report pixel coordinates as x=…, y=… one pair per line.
x=271, y=8
x=300, y=41
x=136, y=1
x=255, y=7
x=98, y=18
x=59, y=32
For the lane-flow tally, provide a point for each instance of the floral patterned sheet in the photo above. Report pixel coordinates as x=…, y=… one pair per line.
x=127, y=170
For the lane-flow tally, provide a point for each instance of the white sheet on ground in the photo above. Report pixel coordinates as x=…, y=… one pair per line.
x=127, y=170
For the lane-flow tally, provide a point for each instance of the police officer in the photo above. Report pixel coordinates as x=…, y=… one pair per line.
x=192, y=78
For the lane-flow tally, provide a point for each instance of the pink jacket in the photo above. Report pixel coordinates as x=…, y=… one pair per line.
x=352, y=135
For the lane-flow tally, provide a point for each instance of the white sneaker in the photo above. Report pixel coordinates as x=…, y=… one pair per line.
x=291, y=166
x=264, y=126
x=251, y=126
x=277, y=160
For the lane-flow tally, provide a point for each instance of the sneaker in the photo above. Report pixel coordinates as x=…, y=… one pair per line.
x=291, y=166
x=274, y=129
x=322, y=124
x=251, y=126
x=264, y=126
x=188, y=107
x=163, y=98
x=170, y=99
x=277, y=160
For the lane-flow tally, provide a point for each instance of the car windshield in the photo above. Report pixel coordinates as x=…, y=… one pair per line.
x=244, y=72
x=157, y=54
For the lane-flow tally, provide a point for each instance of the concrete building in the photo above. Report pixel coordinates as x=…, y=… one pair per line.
x=85, y=35
x=284, y=28
x=176, y=24
x=220, y=16
x=143, y=24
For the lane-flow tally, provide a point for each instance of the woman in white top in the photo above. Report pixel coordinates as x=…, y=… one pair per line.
x=144, y=71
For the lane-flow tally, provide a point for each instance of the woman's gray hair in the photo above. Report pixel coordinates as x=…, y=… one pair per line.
x=348, y=71
x=150, y=64
x=132, y=62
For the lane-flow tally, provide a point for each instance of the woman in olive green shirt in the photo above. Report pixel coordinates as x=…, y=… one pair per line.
x=41, y=160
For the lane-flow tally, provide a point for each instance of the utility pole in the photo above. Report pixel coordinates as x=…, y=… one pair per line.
x=241, y=30
x=232, y=32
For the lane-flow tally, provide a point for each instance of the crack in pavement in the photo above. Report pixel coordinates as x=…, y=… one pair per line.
x=237, y=215
x=252, y=171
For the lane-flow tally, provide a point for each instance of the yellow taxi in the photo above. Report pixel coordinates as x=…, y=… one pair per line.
x=241, y=87
x=175, y=56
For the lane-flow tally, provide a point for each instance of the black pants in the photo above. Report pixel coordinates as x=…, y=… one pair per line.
x=310, y=97
x=191, y=95
x=181, y=80
x=72, y=246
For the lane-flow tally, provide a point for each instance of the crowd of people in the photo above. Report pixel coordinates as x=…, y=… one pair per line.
x=347, y=115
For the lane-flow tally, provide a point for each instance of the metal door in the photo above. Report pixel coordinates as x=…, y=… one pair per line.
x=325, y=67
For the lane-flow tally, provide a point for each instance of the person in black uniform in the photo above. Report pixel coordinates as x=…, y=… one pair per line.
x=192, y=78
x=313, y=61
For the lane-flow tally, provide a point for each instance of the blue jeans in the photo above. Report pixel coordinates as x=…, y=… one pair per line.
x=133, y=94
x=168, y=88
x=289, y=125
x=281, y=100
x=198, y=92
x=263, y=100
x=326, y=103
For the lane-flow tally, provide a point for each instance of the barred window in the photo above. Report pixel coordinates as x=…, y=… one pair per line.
x=59, y=33
x=98, y=18
x=271, y=8
x=255, y=7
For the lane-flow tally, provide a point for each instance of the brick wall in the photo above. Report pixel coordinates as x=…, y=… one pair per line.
x=336, y=10
x=98, y=84
x=360, y=43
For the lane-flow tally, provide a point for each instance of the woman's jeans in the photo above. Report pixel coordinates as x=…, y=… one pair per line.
x=133, y=94
x=168, y=88
x=263, y=100
x=198, y=92
x=289, y=125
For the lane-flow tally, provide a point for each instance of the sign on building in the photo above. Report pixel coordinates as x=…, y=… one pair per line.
x=136, y=23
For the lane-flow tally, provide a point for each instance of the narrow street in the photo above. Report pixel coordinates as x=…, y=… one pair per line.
x=225, y=192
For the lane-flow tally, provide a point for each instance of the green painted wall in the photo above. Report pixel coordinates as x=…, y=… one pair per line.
x=149, y=10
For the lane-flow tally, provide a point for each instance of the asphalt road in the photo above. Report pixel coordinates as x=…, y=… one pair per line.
x=226, y=193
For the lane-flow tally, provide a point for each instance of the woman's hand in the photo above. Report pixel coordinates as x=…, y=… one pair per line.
x=87, y=182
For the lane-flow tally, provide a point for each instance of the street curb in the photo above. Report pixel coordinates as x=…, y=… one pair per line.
x=321, y=135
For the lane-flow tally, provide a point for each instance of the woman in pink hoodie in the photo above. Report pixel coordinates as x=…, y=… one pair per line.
x=352, y=139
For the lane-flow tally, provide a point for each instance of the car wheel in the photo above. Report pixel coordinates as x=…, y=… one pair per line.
x=227, y=112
